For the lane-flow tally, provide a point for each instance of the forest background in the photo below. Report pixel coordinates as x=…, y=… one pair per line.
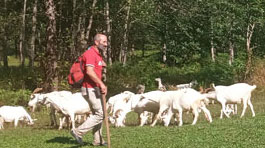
x=219, y=42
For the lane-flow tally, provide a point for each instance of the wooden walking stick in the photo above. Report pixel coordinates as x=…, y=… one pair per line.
x=106, y=118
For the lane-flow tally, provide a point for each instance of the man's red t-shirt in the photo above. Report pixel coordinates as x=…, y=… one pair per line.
x=92, y=57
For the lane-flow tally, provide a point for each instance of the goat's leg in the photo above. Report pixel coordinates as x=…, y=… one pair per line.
x=244, y=108
x=118, y=116
x=196, y=115
x=162, y=109
x=1, y=125
x=235, y=108
x=52, y=116
x=16, y=122
x=61, y=121
x=180, y=117
x=143, y=118
x=120, y=120
x=221, y=114
x=72, y=118
x=229, y=109
x=207, y=114
x=224, y=110
x=251, y=107
x=176, y=116
x=155, y=119
x=167, y=117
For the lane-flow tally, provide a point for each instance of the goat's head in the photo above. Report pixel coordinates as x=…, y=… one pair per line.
x=140, y=89
x=34, y=99
x=158, y=79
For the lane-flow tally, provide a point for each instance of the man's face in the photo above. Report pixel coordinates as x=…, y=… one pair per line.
x=102, y=43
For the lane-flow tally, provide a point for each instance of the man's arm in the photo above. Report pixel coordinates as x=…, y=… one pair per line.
x=91, y=73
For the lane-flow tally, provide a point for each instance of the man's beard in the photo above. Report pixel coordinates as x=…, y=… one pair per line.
x=101, y=47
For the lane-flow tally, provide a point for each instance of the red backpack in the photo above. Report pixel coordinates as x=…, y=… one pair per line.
x=76, y=76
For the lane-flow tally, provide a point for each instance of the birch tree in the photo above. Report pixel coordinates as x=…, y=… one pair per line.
x=50, y=65
x=124, y=47
x=4, y=41
x=108, y=31
x=33, y=35
x=22, y=36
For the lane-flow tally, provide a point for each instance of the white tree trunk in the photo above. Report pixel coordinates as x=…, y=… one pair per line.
x=231, y=53
x=250, y=31
x=22, y=36
x=33, y=36
x=90, y=20
x=125, y=35
x=108, y=32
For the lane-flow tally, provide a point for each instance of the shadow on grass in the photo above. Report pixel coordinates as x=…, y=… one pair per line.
x=67, y=140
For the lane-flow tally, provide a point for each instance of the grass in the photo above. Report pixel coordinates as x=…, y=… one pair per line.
x=226, y=133
x=246, y=132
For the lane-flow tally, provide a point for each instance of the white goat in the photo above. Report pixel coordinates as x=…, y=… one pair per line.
x=230, y=108
x=165, y=105
x=140, y=89
x=117, y=105
x=188, y=85
x=235, y=94
x=191, y=100
x=38, y=98
x=71, y=105
x=160, y=85
x=15, y=114
x=147, y=102
x=181, y=100
x=114, y=100
x=125, y=105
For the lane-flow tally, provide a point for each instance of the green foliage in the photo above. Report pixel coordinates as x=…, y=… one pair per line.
x=137, y=71
x=17, y=97
x=218, y=73
x=145, y=70
x=15, y=78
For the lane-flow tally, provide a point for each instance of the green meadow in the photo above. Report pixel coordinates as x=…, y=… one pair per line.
x=234, y=132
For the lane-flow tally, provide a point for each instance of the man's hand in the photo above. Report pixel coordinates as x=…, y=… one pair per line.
x=103, y=89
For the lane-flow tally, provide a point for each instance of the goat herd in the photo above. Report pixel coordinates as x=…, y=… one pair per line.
x=161, y=104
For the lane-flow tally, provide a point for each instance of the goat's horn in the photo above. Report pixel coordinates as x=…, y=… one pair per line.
x=37, y=90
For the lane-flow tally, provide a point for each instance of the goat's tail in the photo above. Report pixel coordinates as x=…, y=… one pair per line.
x=253, y=87
x=212, y=86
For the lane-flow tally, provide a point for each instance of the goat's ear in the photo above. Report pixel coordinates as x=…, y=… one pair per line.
x=201, y=89
x=126, y=99
x=32, y=96
x=212, y=85
x=117, y=113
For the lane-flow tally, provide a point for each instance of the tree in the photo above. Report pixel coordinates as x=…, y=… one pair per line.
x=50, y=65
x=33, y=35
x=22, y=36
x=108, y=32
x=4, y=33
x=254, y=14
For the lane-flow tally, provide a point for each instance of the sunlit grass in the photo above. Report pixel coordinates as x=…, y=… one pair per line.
x=232, y=133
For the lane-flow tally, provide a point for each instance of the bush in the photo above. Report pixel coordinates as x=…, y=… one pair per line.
x=258, y=73
x=15, y=78
x=18, y=97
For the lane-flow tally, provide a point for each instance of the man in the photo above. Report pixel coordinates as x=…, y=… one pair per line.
x=92, y=81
